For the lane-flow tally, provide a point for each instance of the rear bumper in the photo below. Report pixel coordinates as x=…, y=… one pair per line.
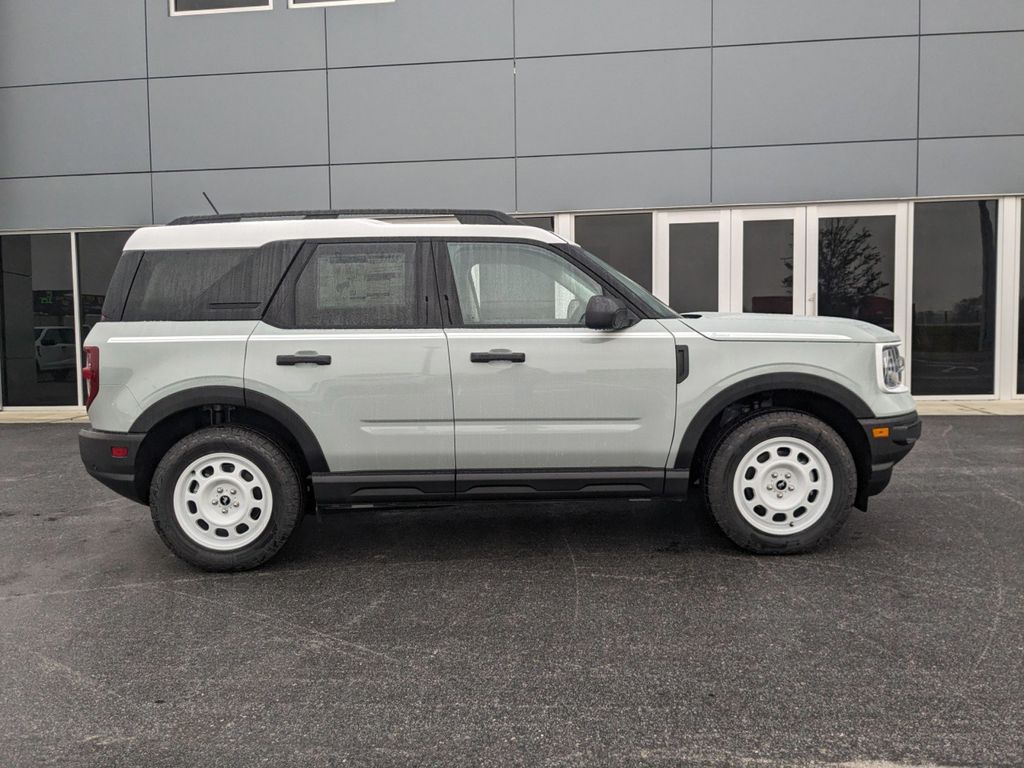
x=889, y=440
x=118, y=474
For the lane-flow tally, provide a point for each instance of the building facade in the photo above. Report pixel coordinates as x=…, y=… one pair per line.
x=862, y=158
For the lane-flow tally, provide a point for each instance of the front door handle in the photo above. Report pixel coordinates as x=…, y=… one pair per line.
x=496, y=355
x=313, y=358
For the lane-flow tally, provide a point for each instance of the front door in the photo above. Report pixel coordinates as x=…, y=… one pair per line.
x=353, y=345
x=856, y=265
x=542, y=403
x=767, y=271
x=691, y=272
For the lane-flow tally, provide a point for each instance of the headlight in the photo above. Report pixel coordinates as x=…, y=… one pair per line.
x=891, y=366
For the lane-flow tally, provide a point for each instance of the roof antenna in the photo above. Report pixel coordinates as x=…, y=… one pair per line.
x=211, y=203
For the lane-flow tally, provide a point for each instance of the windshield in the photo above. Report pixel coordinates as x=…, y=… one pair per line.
x=637, y=291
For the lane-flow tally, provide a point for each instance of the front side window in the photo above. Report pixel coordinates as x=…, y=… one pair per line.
x=361, y=285
x=518, y=284
x=183, y=7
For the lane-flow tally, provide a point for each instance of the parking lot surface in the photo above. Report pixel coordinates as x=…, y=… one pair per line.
x=610, y=633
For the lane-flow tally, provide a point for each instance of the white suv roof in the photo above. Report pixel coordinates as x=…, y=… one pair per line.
x=252, y=234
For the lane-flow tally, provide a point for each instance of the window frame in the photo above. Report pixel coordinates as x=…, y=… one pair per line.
x=267, y=6
x=280, y=310
x=451, y=315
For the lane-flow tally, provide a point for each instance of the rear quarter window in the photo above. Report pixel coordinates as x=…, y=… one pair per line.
x=207, y=284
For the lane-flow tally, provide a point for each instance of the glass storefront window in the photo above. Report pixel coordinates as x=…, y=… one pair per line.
x=1020, y=319
x=954, y=303
x=624, y=240
x=544, y=222
x=37, y=320
x=856, y=268
x=98, y=254
x=693, y=267
x=768, y=266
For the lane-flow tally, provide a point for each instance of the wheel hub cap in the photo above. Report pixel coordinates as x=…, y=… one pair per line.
x=783, y=485
x=222, y=501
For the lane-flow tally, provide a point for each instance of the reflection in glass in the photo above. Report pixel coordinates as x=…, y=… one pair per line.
x=856, y=268
x=98, y=253
x=624, y=240
x=37, y=320
x=693, y=267
x=768, y=266
x=954, y=313
x=544, y=222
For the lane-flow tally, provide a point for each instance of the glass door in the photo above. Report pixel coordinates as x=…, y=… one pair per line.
x=857, y=263
x=691, y=260
x=767, y=264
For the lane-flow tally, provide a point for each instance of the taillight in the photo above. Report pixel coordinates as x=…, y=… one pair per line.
x=91, y=374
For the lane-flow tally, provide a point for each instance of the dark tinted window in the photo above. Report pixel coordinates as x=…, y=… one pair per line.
x=229, y=284
x=693, y=266
x=544, y=222
x=953, y=351
x=361, y=285
x=857, y=268
x=37, y=320
x=768, y=266
x=623, y=240
x=1020, y=324
x=202, y=6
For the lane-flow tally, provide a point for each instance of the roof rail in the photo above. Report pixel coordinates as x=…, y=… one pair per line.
x=464, y=216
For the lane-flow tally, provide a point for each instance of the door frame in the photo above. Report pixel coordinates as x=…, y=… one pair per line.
x=900, y=210
x=661, y=268
x=740, y=216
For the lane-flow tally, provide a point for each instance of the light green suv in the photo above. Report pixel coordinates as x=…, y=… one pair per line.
x=250, y=367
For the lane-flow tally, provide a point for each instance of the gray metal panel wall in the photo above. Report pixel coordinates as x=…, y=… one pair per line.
x=61, y=41
x=116, y=113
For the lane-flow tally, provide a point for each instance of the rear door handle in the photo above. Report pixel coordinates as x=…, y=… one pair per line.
x=497, y=355
x=313, y=358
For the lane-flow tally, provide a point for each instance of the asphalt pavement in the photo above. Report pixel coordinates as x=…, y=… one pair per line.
x=608, y=633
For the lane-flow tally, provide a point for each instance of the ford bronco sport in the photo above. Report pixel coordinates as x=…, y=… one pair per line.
x=248, y=368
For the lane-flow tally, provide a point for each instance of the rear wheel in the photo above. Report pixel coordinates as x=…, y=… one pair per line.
x=225, y=498
x=780, y=482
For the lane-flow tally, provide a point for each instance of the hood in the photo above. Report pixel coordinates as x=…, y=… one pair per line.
x=720, y=326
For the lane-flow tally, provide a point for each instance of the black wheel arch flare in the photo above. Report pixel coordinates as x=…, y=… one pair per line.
x=764, y=384
x=230, y=396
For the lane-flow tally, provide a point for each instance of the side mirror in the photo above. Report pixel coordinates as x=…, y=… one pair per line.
x=605, y=313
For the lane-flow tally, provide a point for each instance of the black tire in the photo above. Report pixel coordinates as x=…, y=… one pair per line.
x=738, y=440
x=284, y=484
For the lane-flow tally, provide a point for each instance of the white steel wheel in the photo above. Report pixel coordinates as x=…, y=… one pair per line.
x=783, y=485
x=222, y=501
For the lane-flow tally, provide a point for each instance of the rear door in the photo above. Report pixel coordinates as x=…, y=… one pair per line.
x=353, y=345
x=544, y=405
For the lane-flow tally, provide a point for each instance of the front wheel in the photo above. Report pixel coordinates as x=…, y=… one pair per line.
x=780, y=482
x=225, y=498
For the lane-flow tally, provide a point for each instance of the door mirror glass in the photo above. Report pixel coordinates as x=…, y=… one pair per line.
x=606, y=313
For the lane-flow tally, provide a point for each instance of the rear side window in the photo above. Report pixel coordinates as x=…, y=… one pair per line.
x=208, y=284
x=120, y=283
x=361, y=285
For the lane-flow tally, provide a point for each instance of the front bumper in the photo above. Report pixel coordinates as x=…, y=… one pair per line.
x=889, y=440
x=118, y=474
